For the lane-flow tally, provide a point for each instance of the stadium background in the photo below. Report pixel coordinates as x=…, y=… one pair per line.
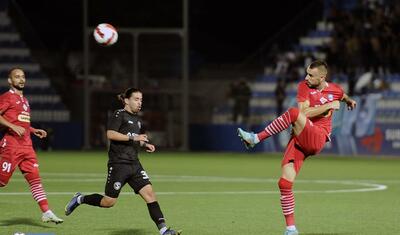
x=265, y=44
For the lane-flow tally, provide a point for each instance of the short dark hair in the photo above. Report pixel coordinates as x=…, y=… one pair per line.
x=127, y=93
x=12, y=70
x=318, y=63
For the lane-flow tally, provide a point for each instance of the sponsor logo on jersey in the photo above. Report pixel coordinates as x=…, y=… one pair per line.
x=139, y=125
x=24, y=118
x=25, y=107
x=323, y=100
x=130, y=122
x=313, y=92
x=117, y=185
x=330, y=97
x=35, y=165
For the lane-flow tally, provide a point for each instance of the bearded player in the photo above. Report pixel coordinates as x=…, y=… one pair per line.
x=16, y=146
x=311, y=128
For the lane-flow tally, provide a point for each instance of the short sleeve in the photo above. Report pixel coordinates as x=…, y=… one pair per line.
x=302, y=92
x=115, y=121
x=4, y=103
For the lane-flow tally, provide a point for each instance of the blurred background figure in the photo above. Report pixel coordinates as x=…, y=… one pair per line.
x=241, y=95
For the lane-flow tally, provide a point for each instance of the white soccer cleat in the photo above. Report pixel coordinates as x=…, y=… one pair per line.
x=49, y=216
x=291, y=232
x=248, y=138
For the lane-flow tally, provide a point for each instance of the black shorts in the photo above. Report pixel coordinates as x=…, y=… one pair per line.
x=120, y=174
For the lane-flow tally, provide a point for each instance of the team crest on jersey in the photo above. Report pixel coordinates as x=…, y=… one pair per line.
x=323, y=100
x=330, y=97
x=117, y=185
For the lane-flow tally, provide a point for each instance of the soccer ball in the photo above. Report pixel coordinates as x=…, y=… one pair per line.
x=105, y=34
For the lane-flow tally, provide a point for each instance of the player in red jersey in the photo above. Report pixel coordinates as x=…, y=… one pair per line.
x=311, y=128
x=16, y=145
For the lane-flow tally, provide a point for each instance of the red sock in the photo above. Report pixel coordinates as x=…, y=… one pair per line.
x=37, y=191
x=279, y=124
x=287, y=200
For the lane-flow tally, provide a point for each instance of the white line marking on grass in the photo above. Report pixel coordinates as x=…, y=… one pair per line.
x=365, y=186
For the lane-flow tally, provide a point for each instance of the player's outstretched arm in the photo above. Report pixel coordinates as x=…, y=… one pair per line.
x=351, y=104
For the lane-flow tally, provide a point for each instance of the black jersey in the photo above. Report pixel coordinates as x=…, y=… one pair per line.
x=128, y=124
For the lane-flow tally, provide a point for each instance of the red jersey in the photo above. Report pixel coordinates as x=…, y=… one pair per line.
x=317, y=97
x=15, y=109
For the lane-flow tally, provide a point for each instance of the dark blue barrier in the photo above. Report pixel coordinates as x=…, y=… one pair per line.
x=384, y=140
x=223, y=137
x=61, y=135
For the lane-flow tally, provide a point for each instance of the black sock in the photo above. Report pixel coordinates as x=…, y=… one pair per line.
x=92, y=199
x=156, y=214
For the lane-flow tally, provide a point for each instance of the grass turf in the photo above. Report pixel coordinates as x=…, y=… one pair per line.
x=213, y=194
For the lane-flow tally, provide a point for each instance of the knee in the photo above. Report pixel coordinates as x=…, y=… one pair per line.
x=148, y=194
x=108, y=202
x=285, y=184
x=294, y=113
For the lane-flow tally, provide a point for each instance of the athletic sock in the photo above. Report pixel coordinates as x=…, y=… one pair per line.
x=92, y=199
x=279, y=124
x=156, y=215
x=287, y=201
x=37, y=191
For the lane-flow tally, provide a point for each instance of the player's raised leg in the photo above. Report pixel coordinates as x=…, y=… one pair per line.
x=291, y=117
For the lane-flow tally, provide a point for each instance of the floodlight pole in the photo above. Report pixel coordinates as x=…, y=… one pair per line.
x=86, y=92
x=136, y=32
x=185, y=79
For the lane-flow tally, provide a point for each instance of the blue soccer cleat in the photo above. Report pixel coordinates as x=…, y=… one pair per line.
x=291, y=232
x=170, y=231
x=248, y=138
x=73, y=204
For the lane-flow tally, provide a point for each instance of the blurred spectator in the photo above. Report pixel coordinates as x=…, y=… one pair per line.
x=280, y=95
x=240, y=92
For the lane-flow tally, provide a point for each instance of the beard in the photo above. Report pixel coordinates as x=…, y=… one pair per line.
x=19, y=87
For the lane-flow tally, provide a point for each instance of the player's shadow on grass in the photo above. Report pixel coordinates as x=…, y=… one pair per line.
x=22, y=221
x=129, y=232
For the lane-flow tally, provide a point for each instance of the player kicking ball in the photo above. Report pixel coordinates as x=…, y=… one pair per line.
x=16, y=146
x=311, y=124
x=124, y=133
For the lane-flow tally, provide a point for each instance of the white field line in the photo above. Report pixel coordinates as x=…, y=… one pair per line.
x=359, y=186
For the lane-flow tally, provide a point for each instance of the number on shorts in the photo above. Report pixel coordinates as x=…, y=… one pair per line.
x=145, y=176
x=6, y=167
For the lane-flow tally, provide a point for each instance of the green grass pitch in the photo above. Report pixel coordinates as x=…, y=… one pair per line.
x=213, y=194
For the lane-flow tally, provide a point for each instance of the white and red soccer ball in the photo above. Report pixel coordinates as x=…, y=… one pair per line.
x=105, y=34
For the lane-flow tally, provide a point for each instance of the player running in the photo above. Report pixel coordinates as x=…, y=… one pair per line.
x=124, y=132
x=311, y=128
x=16, y=146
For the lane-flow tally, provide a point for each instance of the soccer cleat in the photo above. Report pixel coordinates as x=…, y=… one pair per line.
x=73, y=204
x=291, y=232
x=248, y=138
x=170, y=231
x=49, y=216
